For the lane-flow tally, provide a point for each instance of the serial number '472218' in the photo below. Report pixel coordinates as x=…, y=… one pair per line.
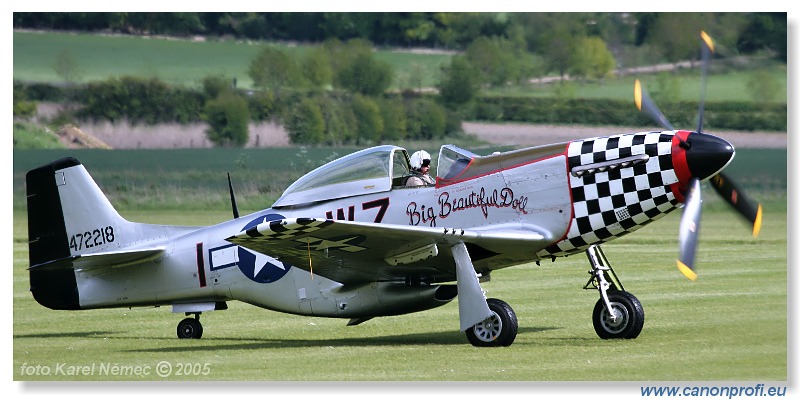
x=90, y=239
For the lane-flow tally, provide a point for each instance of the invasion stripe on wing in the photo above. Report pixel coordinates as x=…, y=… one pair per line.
x=285, y=229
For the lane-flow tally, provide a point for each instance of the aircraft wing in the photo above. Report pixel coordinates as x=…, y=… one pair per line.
x=100, y=260
x=349, y=251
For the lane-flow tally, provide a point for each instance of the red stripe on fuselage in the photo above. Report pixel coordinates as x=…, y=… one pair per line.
x=440, y=183
x=201, y=266
x=680, y=166
x=571, y=199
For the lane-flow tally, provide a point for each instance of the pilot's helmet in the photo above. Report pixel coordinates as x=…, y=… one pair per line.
x=420, y=159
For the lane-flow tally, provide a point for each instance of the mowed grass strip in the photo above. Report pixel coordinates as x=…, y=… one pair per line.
x=729, y=325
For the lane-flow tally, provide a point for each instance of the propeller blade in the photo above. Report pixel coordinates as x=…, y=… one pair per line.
x=736, y=197
x=706, y=50
x=645, y=104
x=689, y=230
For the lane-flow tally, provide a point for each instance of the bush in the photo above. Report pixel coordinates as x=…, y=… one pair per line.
x=43, y=92
x=365, y=75
x=339, y=120
x=317, y=69
x=263, y=106
x=305, y=123
x=274, y=69
x=369, y=122
x=227, y=117
x=140, y=100
x=426, y=119
x=460, y=83
x=22, y=107
x=215, y=85
x=395, y=121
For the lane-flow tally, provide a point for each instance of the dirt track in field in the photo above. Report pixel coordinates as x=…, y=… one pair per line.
x=125, y=136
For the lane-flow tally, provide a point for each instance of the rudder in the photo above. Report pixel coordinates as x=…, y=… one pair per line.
x=47, y=232
x=89, y=225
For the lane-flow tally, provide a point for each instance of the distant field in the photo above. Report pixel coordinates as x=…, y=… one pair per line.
x=186, y=63
x=728, y=86
x=173, y=179
x=181, y=62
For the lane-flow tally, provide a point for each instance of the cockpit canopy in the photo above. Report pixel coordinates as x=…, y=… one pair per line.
x=368, y=171
x=453, y=161
x=373, y=170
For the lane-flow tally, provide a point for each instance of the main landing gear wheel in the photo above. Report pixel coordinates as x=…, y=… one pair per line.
x=627, y=320
x=499, y=330
x=190, y=328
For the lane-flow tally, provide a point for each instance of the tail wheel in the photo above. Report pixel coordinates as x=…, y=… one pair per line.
x=190, y=328
x=499, y=330
x=627, y=319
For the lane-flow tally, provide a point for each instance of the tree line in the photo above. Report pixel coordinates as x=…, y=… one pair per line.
x=336, y=93
x=544, y=34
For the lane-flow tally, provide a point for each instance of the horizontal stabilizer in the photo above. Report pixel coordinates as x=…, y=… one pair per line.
x=102, y=260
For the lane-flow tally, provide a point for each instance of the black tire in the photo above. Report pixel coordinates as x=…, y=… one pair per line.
x=629, y=321
x=498, y=331
x=190, y=328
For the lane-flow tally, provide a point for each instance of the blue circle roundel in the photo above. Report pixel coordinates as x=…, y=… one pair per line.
x=259, y=267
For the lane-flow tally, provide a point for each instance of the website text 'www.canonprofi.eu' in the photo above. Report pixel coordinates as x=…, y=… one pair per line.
x=757, y=390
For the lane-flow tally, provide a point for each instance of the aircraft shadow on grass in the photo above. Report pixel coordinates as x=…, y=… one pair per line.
x=430, y=338
x=80, y=335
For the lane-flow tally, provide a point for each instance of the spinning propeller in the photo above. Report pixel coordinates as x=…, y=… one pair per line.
x=706, y=156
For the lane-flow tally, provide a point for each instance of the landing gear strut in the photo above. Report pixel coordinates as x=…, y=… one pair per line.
x=190, y=328
x=617, y=314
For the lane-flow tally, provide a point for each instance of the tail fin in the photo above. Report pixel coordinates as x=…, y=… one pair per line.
x=90, y=225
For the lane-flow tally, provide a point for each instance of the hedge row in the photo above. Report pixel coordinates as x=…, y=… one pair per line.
x=152, y=101
x=718, y=115
x=330, y=117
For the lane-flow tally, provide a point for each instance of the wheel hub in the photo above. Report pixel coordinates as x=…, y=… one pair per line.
x=615, y=323
x=489, y=329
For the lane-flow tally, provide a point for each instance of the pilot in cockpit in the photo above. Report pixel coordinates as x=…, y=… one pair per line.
x=420, y=166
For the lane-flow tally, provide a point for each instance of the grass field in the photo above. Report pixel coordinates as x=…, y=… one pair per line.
x=730, y=325
x=173, y=179
x=175, y=61
x=185, y=62
x=728, y=86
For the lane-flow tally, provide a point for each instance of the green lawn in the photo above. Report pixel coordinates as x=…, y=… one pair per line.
x=730, y=325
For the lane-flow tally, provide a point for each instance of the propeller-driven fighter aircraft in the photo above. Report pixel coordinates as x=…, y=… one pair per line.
x=351, y=240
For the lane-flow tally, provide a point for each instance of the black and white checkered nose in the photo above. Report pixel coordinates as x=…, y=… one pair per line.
x=707, y=155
